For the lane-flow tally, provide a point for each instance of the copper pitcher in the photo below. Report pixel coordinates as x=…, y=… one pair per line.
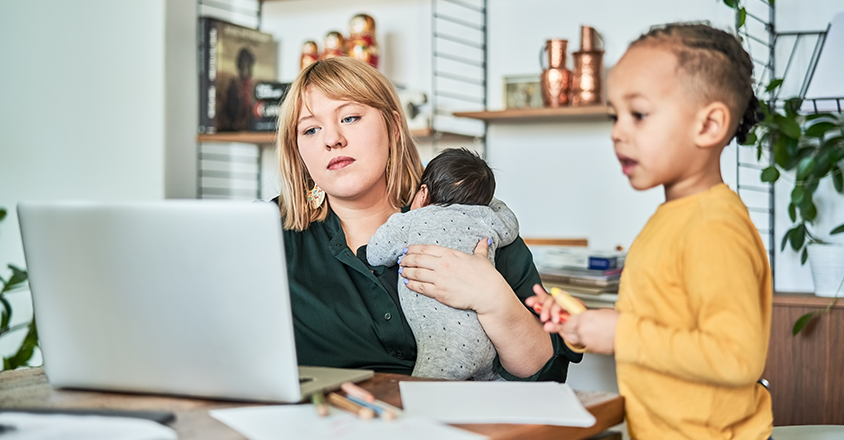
x=588, y=69
x=555, y=80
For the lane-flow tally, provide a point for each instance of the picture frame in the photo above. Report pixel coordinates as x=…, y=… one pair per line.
x=522, y=91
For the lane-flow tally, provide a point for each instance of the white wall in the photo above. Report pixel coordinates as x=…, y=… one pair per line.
x=85, y=89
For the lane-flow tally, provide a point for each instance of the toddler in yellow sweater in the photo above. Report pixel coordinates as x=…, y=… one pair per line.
x=691, y=325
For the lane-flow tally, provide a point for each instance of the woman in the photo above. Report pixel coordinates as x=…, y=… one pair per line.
x=347, y=163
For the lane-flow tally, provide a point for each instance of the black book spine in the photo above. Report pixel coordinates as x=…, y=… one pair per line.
x=207, y=59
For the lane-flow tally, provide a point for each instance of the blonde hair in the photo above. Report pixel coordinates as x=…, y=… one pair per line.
x=342, y=79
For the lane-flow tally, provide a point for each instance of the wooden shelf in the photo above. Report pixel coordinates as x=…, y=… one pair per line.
x=592, y=112
x=269, y=137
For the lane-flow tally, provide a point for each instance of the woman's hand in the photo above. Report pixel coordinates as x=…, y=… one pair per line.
x=465, y=281
x=454, y=278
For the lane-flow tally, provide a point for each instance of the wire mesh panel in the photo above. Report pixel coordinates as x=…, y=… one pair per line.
x=759, y=39
x=459, y=65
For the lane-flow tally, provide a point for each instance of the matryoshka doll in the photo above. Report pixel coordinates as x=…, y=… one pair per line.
x=310, y=53
x=334, y=45
x=362, y=43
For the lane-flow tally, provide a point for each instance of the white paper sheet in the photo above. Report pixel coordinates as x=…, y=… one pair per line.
x=295, y=422
x=547, y=403
x=24, y=426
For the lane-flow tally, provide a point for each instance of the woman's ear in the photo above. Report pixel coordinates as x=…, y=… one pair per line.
x=714, y=125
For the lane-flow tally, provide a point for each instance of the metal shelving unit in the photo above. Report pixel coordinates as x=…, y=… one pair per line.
x=458, y=67
x=765, y=45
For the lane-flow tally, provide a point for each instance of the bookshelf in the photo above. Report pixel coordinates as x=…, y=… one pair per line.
x=269, y=137
x=593, y=112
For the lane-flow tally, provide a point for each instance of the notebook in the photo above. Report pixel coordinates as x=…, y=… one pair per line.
x=173, y=297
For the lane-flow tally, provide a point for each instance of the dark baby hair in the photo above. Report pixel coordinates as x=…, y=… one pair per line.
x=458, y=176
x=721, y=68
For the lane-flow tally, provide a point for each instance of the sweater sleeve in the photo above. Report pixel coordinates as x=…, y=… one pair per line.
x=389, y=241
x=727, y=345
x=504, y=223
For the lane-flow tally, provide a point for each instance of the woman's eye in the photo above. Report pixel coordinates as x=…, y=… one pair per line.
x=638, y=116
x=310, y=132
x=350, y=119
x=613, y=118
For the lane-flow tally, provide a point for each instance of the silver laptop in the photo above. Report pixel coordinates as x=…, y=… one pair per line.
x=174, y=297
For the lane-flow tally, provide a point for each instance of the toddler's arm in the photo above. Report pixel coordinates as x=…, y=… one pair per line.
x=389, y=241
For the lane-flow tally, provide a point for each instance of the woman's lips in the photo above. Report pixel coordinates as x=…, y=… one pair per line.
x=627, y=165
x=340, y=162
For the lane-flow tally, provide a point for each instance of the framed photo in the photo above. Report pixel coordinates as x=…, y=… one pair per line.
x=522, y=91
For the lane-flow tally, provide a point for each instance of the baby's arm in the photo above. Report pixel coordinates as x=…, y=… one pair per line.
x=389, y=241
x=728, y=343
x=505, y=223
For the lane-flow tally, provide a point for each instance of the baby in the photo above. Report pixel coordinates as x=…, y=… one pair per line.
x=455, y=208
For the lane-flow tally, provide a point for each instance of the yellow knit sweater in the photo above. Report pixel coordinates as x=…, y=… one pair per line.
x=695, y=318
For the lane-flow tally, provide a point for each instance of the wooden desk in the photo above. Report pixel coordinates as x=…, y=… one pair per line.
x=29, y=389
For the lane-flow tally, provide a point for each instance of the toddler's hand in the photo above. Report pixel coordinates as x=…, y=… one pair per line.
x=549, y=311
x=593, y=329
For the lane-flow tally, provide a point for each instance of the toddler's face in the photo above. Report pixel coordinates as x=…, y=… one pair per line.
x=653, y=128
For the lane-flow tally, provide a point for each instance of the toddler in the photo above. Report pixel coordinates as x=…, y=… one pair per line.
x=455, y=208
x=691, y=325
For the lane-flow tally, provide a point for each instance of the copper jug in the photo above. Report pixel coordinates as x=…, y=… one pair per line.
x=588, y=69
x=555, y=80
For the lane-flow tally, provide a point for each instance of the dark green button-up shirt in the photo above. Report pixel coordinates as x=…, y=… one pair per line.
x=347, y=313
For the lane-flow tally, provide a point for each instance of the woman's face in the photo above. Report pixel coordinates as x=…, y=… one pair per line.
x=344, y=145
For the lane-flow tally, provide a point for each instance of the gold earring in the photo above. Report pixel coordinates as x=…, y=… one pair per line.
x=316, y=196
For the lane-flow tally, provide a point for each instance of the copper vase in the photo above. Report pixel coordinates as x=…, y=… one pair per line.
x=555, y=80
x=588, y=70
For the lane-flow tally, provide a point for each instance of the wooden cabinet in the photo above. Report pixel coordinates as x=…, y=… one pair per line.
x=806, y=372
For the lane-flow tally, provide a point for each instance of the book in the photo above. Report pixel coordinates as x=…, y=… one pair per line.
x=580, y=281
x=232, y=60
x=582, y=258
x=582, y=290
x=265, y=111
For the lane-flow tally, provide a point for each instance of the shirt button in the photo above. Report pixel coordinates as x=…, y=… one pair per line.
x=388, y=316
x=399, y=354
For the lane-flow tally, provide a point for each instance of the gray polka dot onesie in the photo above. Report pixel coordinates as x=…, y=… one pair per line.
x=451, y=344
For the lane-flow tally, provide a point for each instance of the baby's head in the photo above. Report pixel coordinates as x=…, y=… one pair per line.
x=680, y=94
x=455, y=176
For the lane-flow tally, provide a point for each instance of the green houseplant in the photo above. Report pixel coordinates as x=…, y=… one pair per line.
x=16, y=283
x=807, y=149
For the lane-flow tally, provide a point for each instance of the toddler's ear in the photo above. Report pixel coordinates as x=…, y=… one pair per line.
x=713, y=127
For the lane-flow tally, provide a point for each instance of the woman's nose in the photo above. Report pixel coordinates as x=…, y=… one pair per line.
x=333, y=137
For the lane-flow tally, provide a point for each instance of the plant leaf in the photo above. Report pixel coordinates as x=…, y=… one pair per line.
x=801, y=323
x=804, y=256
x=2, y=214
x=785, y=239
x=7, y=314
x=742, y=17
x=781, y=154
x=770, y=174
x=808, y=210
x=838, y=179
x=820, y=129
x=792, y=212
x=838, y=229
x=814, y=116
x=750, y=139
x=805, y=167
x=797, y=194
x=798, y=237
x=776, y=82
x=788, y=126
x=731, y=3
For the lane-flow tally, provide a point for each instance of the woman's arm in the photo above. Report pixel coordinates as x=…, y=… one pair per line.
x=465, y=281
